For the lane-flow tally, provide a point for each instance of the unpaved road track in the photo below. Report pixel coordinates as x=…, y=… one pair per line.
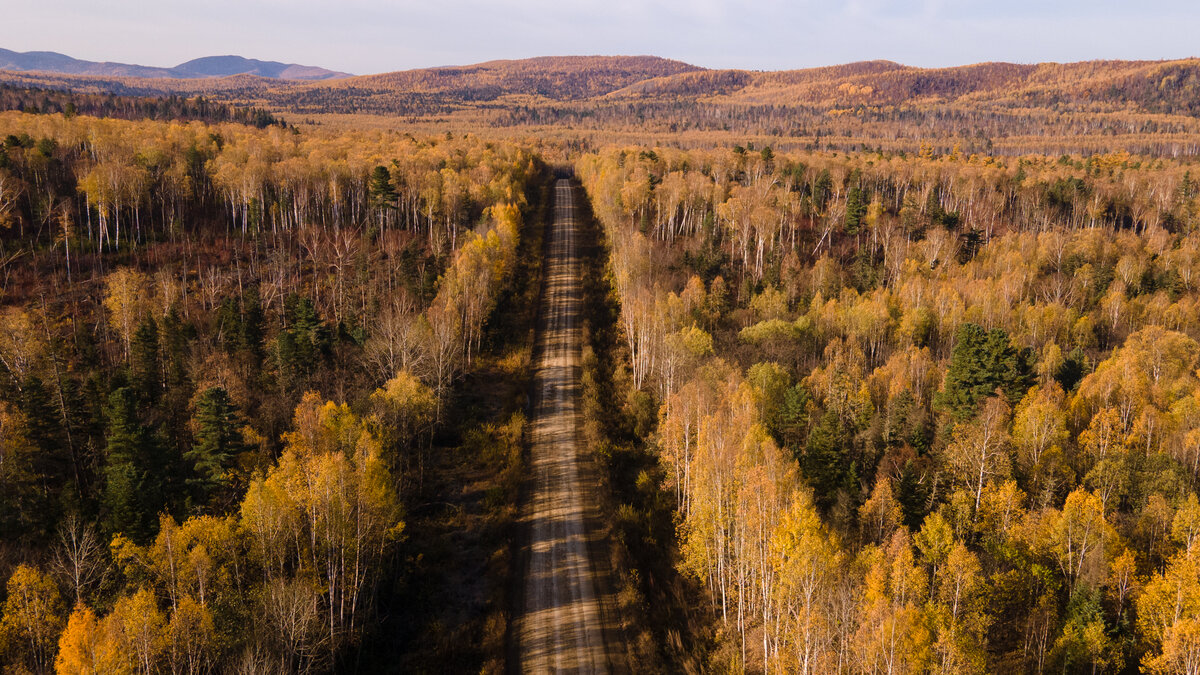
x=561, y=625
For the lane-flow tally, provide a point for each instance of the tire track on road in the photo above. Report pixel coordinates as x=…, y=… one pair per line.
x=562, y=623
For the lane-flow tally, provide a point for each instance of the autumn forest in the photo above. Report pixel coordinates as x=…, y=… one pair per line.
x=879, y=369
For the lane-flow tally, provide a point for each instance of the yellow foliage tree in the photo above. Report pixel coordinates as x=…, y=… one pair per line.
x=79, y=648
x=127, y=299
x=32, y=619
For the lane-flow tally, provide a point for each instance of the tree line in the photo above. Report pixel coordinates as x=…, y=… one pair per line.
x=36, y=100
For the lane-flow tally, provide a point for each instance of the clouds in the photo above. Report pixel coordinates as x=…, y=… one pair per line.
x=372, y=35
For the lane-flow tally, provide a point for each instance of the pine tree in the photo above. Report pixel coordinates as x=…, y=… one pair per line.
x=981, y=363
x=826, y=463
x=382, y=192
x=177, y=394
x=822, y=189
x=303, y=345
x=147, y=369
x=175, y=350
x=933, y=208
x=20, y=492
x=133, y=485
x=794, y=418
x=229, y=325
x=252, y=325
x=856, y=208
x=1187, y=189
x=913, y=494
x=217, y=441
x=50, y=461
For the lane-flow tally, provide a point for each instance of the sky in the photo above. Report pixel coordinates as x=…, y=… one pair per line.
x=370, y=36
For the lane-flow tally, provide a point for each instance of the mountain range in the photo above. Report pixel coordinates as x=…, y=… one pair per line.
x=205, y=67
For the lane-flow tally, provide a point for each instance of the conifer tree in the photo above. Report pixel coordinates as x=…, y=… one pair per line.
x=217, y=441
x=981, y=363
x=50, y=461
x=381, y=191
x=252, y=325
x=146, y=363
x=856, y=208
x=133, y=487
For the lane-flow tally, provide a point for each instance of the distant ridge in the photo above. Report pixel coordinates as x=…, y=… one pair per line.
x=205, y=67
x=618, y=82
x=553, y=77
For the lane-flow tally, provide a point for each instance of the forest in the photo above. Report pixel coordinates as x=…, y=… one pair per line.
x=916, y=414
x=35, y=100
x=229, y=354
x=912, y=386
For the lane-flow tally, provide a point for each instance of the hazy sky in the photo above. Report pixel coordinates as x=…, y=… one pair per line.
x=366, y=36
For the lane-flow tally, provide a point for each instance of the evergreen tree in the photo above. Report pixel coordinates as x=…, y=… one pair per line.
x=856, y=209
x=92, y=405
x=971, y=241
x=826, y=462
x=252, y=325
x=794, y=418
x=22, y=497
x=864, y=272
x=229, y=325
x=178, y=392
x=381, y=191
x=146, y=364
x=897, y=424
x=43, y=419
x=303, y=345
x=1072, y=369
x=86, y=434
x=51, y=461
x=1187, y=189
x=982, y=363
x=933, y=208
x=912, y=491
x=822, y=190
x=133, y=477
x=217, y=441
x=175, y=350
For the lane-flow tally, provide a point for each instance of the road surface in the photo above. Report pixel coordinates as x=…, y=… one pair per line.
x=561, y=625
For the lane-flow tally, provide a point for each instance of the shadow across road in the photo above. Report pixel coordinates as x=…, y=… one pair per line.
x=562, y=625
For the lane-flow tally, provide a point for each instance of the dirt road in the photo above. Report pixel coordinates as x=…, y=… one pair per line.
x=562, y=625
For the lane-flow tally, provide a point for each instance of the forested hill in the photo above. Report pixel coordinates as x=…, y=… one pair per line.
x=554, y=77
x=1142, y=107
x=550, y=77
x=1168, y=87
x=1152, y=86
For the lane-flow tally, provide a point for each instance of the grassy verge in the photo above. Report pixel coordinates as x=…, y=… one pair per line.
x=447, y=608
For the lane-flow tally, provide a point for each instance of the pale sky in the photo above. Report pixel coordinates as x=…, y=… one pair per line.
x=369, y=36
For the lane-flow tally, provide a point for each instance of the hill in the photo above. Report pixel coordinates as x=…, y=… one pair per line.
x=1150, y=86
x=223, y=66
x=209, y=66
x=1169, y=87
x=552, y=77
x=1140, y=106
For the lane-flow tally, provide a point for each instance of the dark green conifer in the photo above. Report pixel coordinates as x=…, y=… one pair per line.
x=217, y=441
